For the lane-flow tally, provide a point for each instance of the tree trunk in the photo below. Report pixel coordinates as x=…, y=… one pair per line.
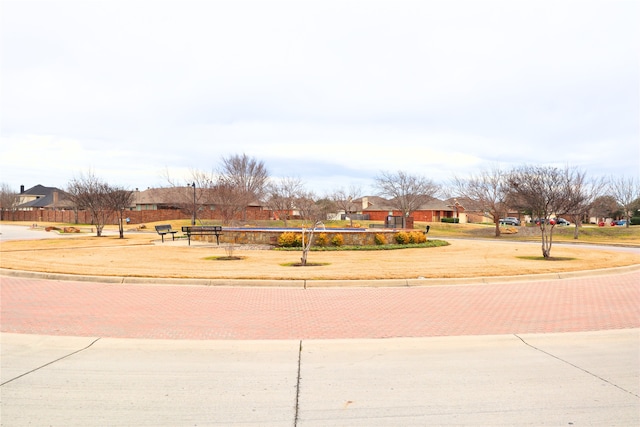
x=305, y=248
x=497, y=222
x=547, y=240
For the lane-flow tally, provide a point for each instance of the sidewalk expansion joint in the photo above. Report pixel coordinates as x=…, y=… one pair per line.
x=295, y=419
x=577, y=367
x=50, y=363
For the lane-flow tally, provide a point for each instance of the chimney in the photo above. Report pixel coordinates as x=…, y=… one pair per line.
x=22, y=189
x=365, y=203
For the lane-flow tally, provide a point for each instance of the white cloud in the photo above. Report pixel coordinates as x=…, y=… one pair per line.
x=356, y=87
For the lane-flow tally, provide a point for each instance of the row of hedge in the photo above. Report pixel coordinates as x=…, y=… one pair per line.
x=294, y=240
x=450, y=220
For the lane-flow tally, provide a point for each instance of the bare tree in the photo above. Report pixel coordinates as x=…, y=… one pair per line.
x=308, y=208
x=8, y=199
x=190, y=194
x=325, y=207
x=545, y=191
x=282, y=195
x=89, y=192
x=407, y=192
x=247, y=176
x=227, y=201
x=343, y=199
x=307, y=241
x=119, y=200
x=488, y=190
x=604, y=206
x=626, y=191
x=582, y=193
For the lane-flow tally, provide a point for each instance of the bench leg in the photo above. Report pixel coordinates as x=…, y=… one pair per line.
x=162, y=235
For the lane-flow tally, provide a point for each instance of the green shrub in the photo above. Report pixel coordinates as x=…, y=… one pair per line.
x=635, y=220
x=290, y=240
x=322, y=240
x=417, y=237
x=450, y=220
x=402, y=237
x=337, y=240
x=380, y=239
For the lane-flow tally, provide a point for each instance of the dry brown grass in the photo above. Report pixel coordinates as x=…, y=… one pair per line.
x=139, y=255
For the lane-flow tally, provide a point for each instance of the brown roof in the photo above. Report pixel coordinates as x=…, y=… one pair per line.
x=377, y=203
x=163, y=196
x=172, y=196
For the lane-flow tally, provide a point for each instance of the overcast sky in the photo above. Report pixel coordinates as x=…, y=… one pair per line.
x=332, y=92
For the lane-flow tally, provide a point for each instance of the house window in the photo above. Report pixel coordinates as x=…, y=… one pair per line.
x=146, y=207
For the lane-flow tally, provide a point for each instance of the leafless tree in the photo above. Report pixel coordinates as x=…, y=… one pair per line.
x=488, y=190
x=603, y=207
x=582, y=192
x=626, y=191
x=308, y=208
x=89, y=192
x=194, y=192
x=325, y=207
x=226, y=201
x=247, y=177
x=407, y=192
x=119, y=200
x=307, y=240
x=545, y=191
x=282, y=195
x=343, y=199
x=8, y=199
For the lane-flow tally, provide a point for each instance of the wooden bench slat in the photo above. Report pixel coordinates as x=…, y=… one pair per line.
x=203, y=230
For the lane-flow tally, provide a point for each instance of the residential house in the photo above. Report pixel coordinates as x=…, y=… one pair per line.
x=157, y=204
x=379, y=208
x=40, y=197
x=474, y=212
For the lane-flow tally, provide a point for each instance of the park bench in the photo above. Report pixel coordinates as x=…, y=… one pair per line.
x=166, y=229
x=203, y=230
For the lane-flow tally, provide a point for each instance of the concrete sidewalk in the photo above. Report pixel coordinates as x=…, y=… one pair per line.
x=586, y=378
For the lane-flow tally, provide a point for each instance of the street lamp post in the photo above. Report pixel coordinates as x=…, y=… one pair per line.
x=193, y=219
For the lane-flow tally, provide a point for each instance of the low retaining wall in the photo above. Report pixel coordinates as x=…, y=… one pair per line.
x=358, y=237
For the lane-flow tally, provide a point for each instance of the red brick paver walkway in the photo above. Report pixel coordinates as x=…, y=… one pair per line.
x=200, y=312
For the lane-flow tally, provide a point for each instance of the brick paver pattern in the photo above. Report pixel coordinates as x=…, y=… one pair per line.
x=47, y=307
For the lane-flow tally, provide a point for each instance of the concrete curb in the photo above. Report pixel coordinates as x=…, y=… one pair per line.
x=300, y=283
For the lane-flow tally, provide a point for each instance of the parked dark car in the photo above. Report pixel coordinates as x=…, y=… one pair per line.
x=553, y=221
x=509, y=221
